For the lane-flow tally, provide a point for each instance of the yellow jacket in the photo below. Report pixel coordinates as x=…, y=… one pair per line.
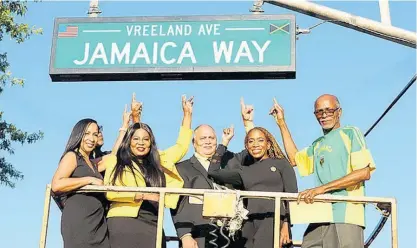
x=123, y=203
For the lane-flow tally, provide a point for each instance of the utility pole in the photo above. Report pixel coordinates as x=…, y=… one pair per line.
x=94, y=10
x=382, y=30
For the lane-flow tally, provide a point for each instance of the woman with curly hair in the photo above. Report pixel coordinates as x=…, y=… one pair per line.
x=263, y=167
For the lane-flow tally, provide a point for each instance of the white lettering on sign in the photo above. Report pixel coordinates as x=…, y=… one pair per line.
x=243, y=51
x=226, y=49
x=169, y=53
x=99, y=53
x=115, y=53
x=187, y=52
x=86, y=51
x=141, y=53
x=159, y=30
x=155, y=53
x=122, y=56
x=163, y=48
x=261, y=50
x=218, y=52
x=209, y=29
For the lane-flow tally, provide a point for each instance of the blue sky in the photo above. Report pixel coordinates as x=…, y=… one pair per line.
x=365, y=73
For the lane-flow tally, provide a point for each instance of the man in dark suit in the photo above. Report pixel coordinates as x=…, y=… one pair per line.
x=192, y=228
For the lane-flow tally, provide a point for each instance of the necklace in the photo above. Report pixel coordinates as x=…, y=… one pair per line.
x=86, y=159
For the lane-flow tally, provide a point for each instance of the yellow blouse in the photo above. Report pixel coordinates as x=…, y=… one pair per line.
x=123, y=203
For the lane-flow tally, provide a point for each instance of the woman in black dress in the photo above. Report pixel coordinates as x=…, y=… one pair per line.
x=83, y=222
x=260, y=167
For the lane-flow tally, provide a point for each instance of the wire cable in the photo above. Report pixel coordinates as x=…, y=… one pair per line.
x=392, y=104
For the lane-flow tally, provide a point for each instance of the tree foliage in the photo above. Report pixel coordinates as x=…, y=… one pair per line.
x=9, y=133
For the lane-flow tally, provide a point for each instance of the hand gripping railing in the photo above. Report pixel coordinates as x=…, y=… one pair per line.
x=388, y=206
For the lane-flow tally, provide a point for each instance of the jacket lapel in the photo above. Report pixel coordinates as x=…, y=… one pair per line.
x=198, y=166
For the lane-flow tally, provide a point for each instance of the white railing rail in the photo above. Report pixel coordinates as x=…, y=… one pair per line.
x=247, y=194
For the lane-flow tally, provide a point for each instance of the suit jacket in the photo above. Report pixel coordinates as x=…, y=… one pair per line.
x=123, y=203
x=187, y=217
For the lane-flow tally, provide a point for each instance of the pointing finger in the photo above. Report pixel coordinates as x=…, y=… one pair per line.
x=191, y=100
x=272, y=111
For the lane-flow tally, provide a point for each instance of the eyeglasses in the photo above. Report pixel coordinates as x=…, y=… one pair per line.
x=330, y=112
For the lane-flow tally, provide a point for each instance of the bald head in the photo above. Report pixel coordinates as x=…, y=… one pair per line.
x=203, y=127
x=205, y=140
x=327, y=110
x=327, y=97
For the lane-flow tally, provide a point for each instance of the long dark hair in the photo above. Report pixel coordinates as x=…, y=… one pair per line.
x=149, y=165
x=77, y=135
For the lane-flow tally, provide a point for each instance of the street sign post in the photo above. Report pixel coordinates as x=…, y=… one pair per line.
x=173, y=48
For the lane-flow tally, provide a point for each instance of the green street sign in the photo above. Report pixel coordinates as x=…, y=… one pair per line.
x=173, y=48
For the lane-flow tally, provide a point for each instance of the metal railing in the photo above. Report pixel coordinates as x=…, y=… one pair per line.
x=387, y=205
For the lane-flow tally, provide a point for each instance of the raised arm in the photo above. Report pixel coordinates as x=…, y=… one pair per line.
x=290, y=148
x=122, y=131
x=187, y=108
x=229, y=174
x=247, y=112
x=62, y=181
x=136, y=108
x=176, y=152
x=236, y=160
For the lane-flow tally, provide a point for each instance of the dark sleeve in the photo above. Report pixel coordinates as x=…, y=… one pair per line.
x=236, y=160
x=230, y=174
x=288, y=177
x=181, y=215
x=290, y=183
x=230, y=160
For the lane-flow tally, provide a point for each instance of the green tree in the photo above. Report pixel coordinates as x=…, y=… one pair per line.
x=9, y=133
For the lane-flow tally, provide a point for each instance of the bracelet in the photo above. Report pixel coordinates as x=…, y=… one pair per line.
x=123, y=129
x=186, y=235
